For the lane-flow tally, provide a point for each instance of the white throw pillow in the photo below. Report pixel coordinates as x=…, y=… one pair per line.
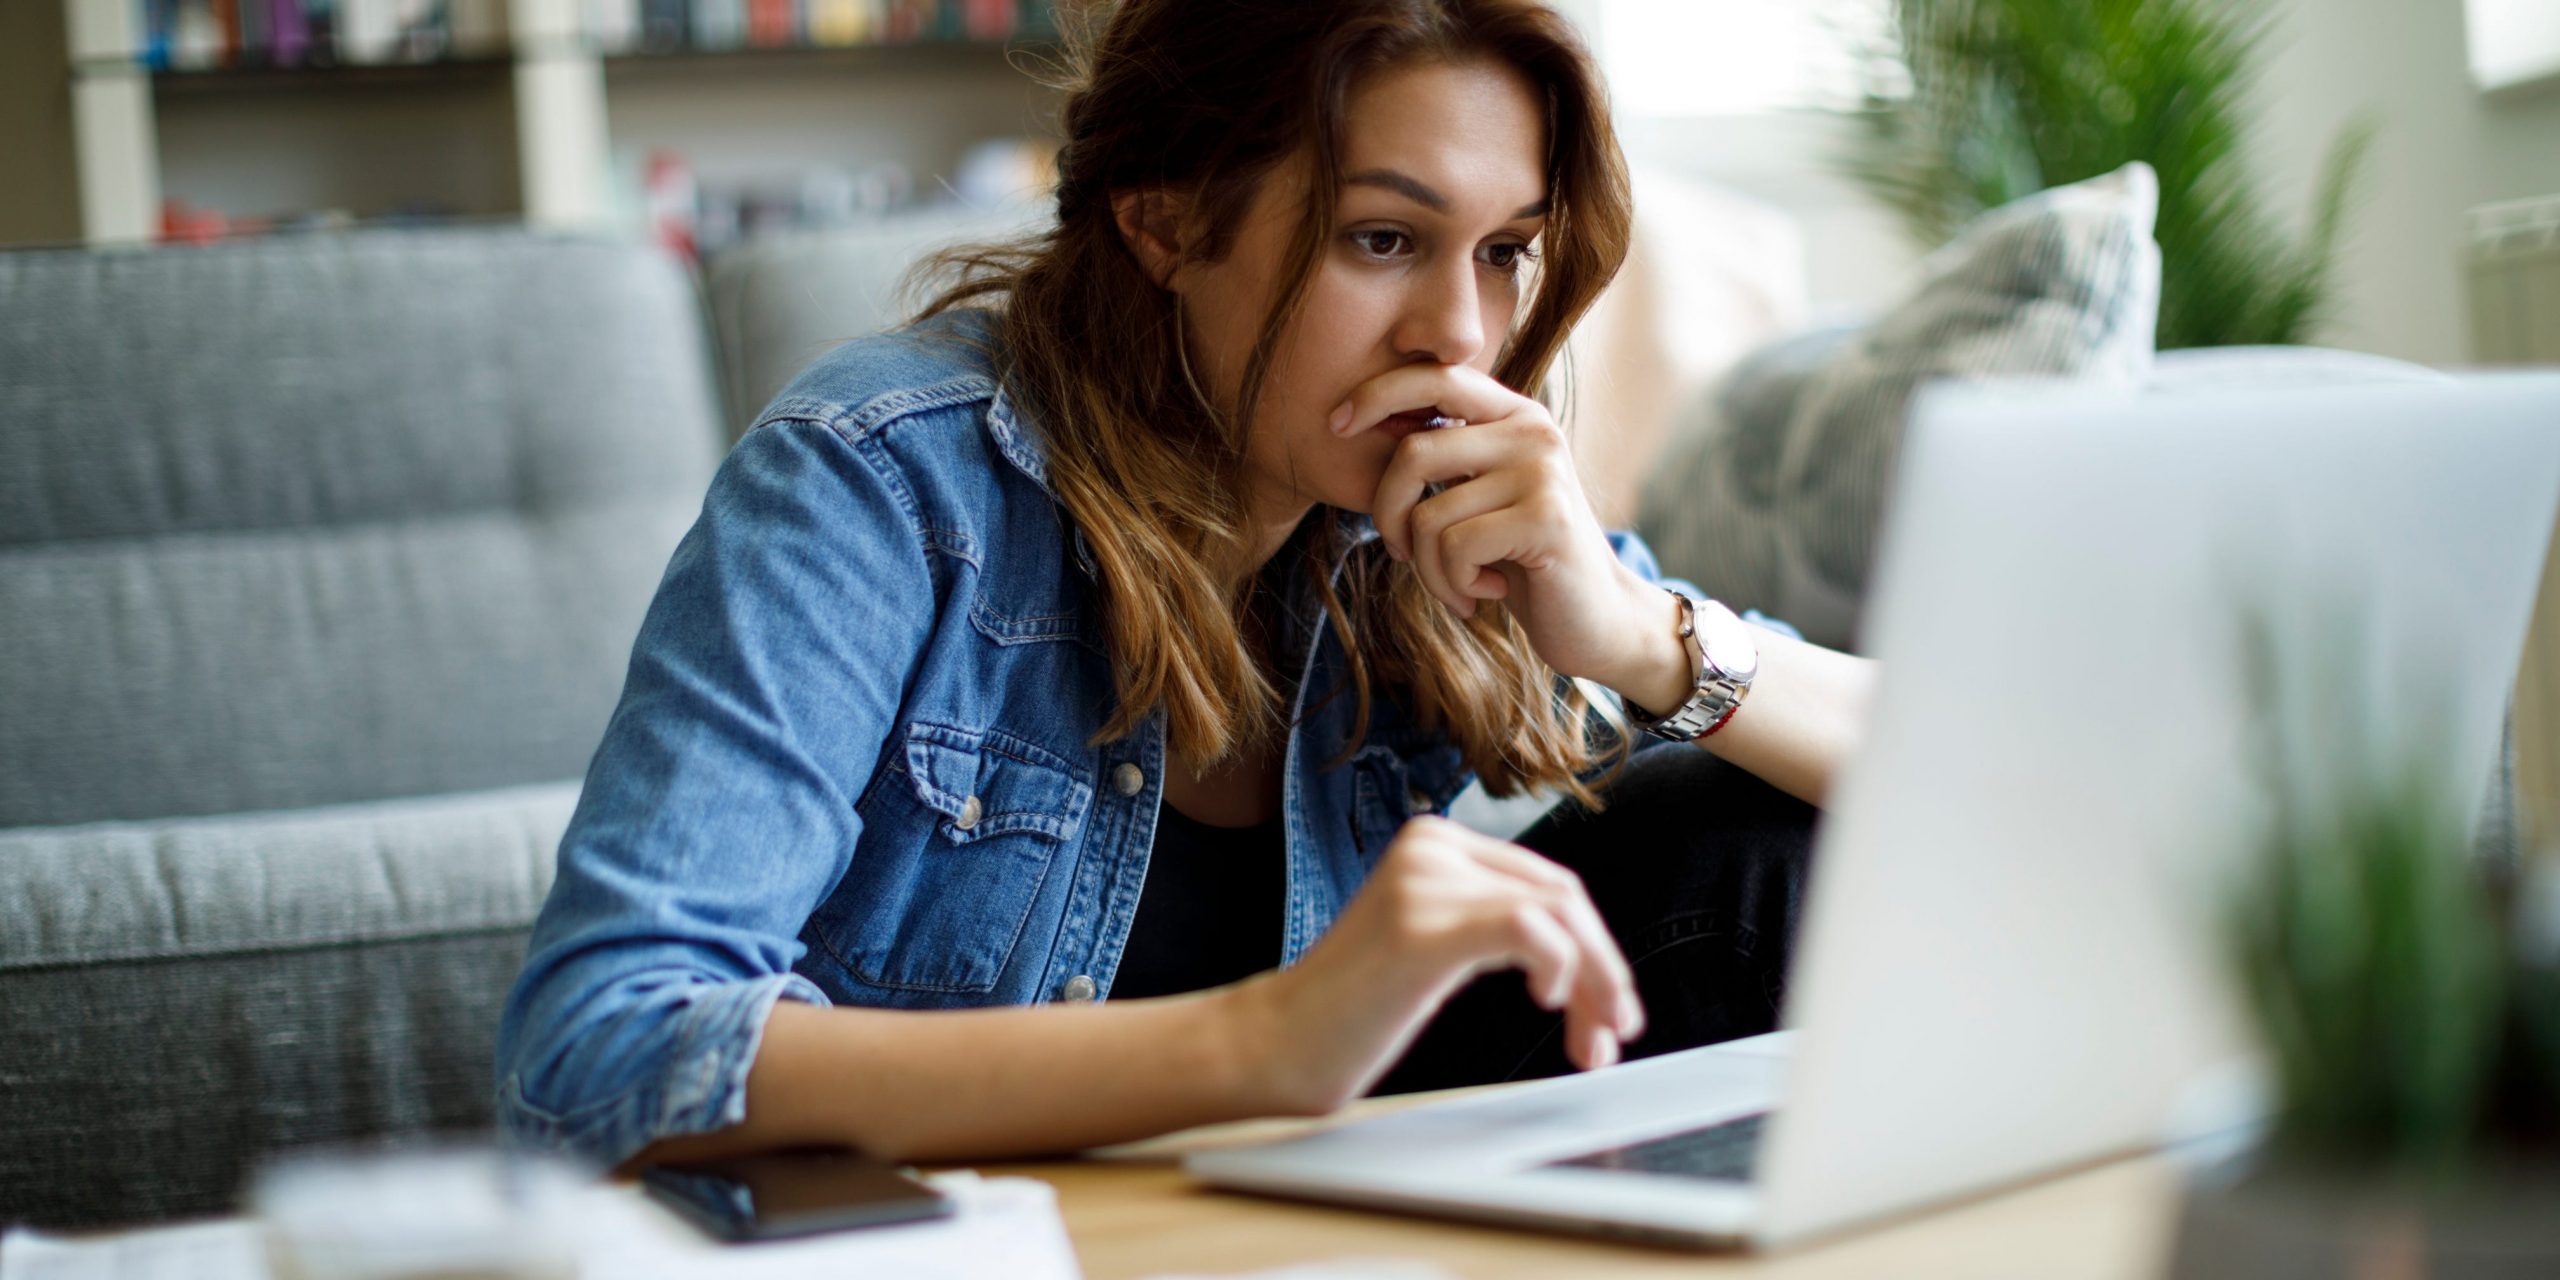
x=1770, y=493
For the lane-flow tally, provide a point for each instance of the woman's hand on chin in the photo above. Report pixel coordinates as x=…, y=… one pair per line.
x=1493, y=509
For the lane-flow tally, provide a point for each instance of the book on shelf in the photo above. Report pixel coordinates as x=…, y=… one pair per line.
x=368, y=30
x=614, y=25
x=320, y=18
x=204, y=34
x=718, y=24
x=839, y=22
x=426, y=30
x=195, y=34
x=773, y=24
x=226, y=28
x=988, y=19
x=907, y=20
x=252, y=31
x=201, y=34
x=159, y=24
x=290, y=28
x=665, y=25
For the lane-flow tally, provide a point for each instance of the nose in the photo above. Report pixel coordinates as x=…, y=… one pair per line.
x=1443, y=316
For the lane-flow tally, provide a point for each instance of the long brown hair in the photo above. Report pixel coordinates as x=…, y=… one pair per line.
x=1207, y=99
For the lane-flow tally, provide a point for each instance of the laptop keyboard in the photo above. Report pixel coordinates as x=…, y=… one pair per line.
x=1719, y=1152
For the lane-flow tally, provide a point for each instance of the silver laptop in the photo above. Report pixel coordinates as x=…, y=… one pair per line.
x=2005, y=966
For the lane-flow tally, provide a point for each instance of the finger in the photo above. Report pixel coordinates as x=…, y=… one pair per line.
x=1589, y=1041
x=1421, y=466
x=1466, y=553
x=1598, y=1004
x=1610, y=979
x=1529, y=937
x=1460, y=391
x=1452, y=456
x=1599, y=1048
x=1609, y=982
x=1480, y=499
x=1519, y=926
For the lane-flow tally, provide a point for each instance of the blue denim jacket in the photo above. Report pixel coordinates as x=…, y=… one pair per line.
x=849, y=763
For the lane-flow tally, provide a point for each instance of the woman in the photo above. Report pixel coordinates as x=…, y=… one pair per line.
x=1104, y=633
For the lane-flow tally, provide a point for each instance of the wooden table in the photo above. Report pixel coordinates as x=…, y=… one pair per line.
x=1133, y=1214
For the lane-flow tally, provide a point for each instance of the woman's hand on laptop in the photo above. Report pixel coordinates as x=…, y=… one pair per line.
x=1444, y=904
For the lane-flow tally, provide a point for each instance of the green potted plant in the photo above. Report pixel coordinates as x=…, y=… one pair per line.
x=2406, y=996
x=2009, y=97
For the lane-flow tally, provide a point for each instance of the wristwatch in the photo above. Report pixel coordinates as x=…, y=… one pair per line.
x=1724, y=658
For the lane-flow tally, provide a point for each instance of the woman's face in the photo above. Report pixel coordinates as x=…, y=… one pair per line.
x=1445, y=188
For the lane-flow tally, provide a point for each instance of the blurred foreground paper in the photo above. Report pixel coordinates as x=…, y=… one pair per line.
x=228, y=1250
x=1338, y=1269
x=1005, y=1229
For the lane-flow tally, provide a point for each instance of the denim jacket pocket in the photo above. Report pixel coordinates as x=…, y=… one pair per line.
x=958, y=835
x=1390, y=785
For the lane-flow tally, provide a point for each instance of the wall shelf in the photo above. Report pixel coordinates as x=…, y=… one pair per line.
x=442, y=73
x=533, y=129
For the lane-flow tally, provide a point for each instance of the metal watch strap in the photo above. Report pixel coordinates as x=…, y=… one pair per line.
x=1715, y=692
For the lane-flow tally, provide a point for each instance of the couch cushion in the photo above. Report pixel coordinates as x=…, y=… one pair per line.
x=212, y=989
x=1770, y=494
x=313, y=520
x=181, y=887
x=781, y=300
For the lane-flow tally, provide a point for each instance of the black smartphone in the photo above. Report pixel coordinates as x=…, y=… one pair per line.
x=793, y=1192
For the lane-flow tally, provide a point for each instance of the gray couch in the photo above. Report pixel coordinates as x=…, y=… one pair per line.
x=320, y=560
x=319, y=564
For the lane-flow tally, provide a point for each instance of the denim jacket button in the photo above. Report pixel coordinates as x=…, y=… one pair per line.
x=1416, y=802
x=1130, y=779
x=1079, y=989
x=970, y=812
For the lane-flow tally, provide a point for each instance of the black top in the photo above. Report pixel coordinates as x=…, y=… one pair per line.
x=1210, y=913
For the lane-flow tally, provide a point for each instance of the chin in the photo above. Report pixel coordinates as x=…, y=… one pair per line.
x=1353, y=496
x=1343, y=481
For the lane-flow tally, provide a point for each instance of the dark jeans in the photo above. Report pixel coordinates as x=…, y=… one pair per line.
x=1699, y=869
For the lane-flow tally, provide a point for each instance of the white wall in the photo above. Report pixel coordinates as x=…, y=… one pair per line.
x=2443, y=148
x=1858, y=258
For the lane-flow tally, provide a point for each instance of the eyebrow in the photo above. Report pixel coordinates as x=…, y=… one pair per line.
x=1412, y=189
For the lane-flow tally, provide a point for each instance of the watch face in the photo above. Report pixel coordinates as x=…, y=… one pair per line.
x=1729, y=643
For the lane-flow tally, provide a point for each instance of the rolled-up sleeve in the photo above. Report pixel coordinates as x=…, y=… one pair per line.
x=718, y=812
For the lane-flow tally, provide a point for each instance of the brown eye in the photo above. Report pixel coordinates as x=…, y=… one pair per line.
x=1508, y=258
x=1380, y=243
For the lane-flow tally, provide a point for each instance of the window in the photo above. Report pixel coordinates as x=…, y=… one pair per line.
x=1676, y=58
x=2513, y=42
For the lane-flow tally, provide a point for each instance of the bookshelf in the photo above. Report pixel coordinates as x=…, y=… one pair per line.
x=541, y=110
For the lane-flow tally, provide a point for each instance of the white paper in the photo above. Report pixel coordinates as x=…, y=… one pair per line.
x=232, y=1249
x=1338, y=1269
x=1002, y=1229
